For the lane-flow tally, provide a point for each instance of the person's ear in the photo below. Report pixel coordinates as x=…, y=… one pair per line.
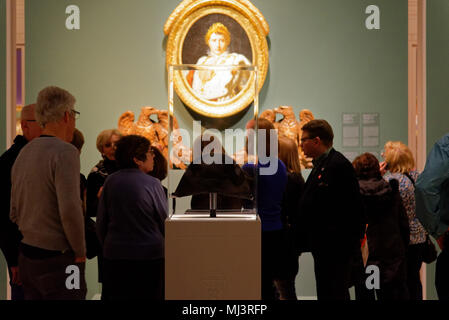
x=138, y=162
x=24, y=124
x=66, y=116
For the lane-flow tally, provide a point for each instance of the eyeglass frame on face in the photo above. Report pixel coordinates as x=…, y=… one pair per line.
x=150, y=152
x=75, y=114
x=305, y=139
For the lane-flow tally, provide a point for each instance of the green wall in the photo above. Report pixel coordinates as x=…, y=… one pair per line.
x=437, y=70
x=437, y=87
x=321, y=58
x=2, y=120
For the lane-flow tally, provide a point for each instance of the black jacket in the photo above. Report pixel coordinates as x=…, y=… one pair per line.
x=330, y=209
x=388, y=231
x=290, y=203
x=95, y=180
x=10, y=235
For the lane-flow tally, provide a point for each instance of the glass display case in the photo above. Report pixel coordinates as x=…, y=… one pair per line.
x=209, y=142
x=213, y=232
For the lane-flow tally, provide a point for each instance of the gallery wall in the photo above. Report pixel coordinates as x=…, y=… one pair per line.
x=437, y=70
x=322, y=58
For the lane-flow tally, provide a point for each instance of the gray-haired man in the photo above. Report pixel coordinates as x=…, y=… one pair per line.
x=46, y=205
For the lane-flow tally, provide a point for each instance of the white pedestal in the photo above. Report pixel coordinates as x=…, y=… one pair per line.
x=212, y=258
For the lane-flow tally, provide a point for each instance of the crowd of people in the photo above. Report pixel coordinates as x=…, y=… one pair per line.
x=349, y=216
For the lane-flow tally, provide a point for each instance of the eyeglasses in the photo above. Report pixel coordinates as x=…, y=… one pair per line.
x=30, y=120
x=307, y=138
x=76, y=114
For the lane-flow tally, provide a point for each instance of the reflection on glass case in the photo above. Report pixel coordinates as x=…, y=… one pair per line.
x=207, y=151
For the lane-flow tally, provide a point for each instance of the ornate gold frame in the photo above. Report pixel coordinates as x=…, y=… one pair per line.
x=256, y=28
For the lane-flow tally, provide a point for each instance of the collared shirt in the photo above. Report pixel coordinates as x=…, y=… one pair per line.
x=432, y=190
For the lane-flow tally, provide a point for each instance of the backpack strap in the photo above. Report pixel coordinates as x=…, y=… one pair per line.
x=410, y=178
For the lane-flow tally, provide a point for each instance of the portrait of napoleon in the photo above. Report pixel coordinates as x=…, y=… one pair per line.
x=217, y=40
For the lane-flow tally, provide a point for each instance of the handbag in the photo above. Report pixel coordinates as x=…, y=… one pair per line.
x=429, y=253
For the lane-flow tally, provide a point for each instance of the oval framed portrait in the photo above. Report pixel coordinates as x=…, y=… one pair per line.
x=217, y=36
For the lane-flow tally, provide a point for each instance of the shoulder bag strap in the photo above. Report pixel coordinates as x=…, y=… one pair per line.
x=410, y=178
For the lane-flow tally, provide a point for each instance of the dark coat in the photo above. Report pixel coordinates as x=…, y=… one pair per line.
x=330, y=209
x=95, y=180
x=388, y=231
x=289, y=264
x=292, y=194
x=10, y=235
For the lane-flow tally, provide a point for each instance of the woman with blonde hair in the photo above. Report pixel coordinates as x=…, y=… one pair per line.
x=106, y=141
x=288, y=154
x=399, y=164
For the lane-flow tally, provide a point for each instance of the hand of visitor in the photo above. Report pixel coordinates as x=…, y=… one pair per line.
x=99, y=192
x=80, y=259
x=383, y=167
x=440, y=241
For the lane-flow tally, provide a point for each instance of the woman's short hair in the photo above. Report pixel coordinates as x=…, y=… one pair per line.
x=52, y=103
x=78, y=139
x=160, y=165
x=320, y=128
x=366, y=166
x=221, y=29
x=398, y=157
x=105, y=136
x=130, y=147
x=288, y=154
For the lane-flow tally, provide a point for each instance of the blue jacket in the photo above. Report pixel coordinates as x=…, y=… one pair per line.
x=432, y=190
x=131, y=216
x=270, y=193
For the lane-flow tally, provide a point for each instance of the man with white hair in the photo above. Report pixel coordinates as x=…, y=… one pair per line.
x=9, y=234
x=46, y=204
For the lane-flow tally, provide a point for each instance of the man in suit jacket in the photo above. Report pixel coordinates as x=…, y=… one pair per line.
x=330, y=217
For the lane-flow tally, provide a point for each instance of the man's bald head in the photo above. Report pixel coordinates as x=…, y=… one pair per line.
x=30, y=128
x=28, y=112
